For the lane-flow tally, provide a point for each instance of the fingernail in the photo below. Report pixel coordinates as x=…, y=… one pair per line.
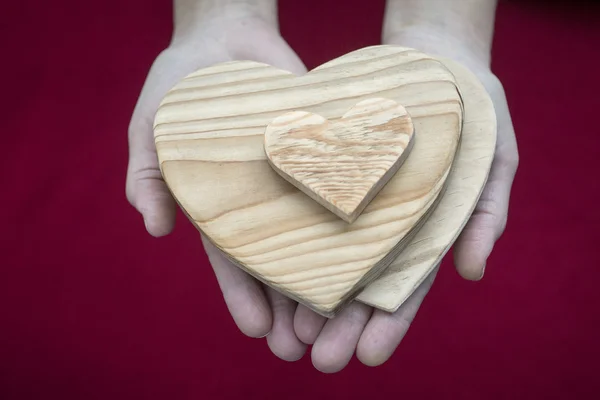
x=482, y=272
x=265, y=335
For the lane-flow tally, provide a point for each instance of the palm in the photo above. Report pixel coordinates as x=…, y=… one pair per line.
x=256, y=310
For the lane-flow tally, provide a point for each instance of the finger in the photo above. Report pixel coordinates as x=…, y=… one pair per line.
x=385, y=331
x=282, y=339
x=243, y=294
x=308, y=324
x=337, y=341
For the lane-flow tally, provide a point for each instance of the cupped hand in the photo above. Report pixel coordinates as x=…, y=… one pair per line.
x=217, y=40
x=256, y=310
x=488, y=221
x=374, y=335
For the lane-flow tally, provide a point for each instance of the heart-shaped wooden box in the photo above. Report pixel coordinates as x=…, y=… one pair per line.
x=210, y=139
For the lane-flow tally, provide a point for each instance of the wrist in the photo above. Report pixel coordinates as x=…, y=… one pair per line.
x=458, y=28
x=435, y=43
x=201, y=20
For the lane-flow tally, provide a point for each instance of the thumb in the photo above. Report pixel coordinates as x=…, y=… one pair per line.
x=151, y=197
x=486, y=225
x=145, y=188
x=475, y=243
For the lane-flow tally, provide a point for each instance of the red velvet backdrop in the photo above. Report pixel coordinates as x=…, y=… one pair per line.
x=92, y=307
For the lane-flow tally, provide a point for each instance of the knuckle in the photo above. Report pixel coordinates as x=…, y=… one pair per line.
x=356, y=315
x=493, y=85
x=402, y=322
x=130, y=192
x=492, y=212
x=279, y=304
x=137, y=125
x=508, y=162
x=506, y=159
x=495, y=217
x=501, y=226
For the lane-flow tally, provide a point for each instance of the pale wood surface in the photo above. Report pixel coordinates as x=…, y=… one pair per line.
x=341, y=164
x=465, y=184
x=209, y=133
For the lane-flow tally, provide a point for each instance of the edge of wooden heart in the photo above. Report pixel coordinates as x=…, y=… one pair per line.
x=412, y=267
x=382, y=266
x=373, y=191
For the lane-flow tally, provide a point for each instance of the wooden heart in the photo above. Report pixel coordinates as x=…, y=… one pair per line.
x=209, y=134
x=464, y=186
x=342, y=165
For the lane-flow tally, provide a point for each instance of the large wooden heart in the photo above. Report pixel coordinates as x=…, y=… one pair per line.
x=209, y=133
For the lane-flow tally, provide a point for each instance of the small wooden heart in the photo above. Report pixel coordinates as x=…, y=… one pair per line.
x=341, y=164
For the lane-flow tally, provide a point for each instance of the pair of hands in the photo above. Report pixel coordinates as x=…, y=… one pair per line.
x=257, y=310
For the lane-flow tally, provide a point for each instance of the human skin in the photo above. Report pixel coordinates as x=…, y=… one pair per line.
x=207, y=32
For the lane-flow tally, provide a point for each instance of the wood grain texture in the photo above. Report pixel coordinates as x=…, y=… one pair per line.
x=464, y=186
x=342, y=164
x=209, y=133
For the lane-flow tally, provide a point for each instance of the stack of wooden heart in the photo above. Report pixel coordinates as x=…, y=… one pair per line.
x=348, y=183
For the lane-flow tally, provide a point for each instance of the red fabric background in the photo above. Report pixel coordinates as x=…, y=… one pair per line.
x=92, y=307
